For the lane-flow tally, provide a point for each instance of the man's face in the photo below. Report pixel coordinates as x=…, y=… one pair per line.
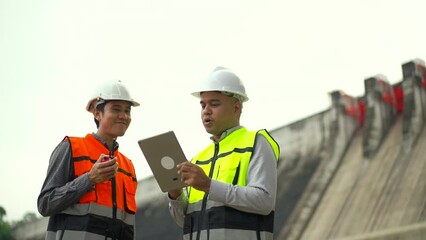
x=115, y=119
x=219, y=112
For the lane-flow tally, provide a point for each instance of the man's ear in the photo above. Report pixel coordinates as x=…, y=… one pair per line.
x=237, y=106
x=97, y=114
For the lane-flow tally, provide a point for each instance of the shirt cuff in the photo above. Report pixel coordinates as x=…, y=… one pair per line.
x=87, y=183
x=178, y=202
x=218, y=191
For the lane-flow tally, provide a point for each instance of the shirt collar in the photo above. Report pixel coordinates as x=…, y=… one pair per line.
x=227, y=132
x=104, y=143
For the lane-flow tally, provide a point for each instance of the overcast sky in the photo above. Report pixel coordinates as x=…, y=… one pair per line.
x=289, y=54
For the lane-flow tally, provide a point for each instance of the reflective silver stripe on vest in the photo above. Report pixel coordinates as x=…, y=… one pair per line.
x=196, y=207
x=93, y=208
x=72, y=235
x=221, y=234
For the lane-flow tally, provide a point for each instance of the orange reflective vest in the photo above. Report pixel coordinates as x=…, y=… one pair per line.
x=85, y=152
x=105, y=212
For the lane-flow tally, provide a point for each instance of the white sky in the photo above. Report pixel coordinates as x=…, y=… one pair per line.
x=289, y=54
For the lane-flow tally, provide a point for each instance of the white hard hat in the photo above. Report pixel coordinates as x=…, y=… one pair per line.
x=110, y=90
x=223, y=80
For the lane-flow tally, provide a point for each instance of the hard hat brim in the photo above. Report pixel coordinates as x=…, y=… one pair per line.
x=91, y=104
x=243, y=98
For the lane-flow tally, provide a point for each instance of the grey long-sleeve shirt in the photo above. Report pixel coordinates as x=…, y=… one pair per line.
x=258, y=196
x=60, y=189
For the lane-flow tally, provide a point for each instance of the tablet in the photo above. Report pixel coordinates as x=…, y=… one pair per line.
x=163, y=153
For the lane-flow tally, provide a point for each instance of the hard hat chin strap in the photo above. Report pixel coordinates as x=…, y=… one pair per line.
x=238, y=97
x=98, y=102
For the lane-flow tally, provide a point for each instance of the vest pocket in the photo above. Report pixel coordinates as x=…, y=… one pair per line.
x=129, y=197
x=227, y=171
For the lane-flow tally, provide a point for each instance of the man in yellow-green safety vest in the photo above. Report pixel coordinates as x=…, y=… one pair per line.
x=231, y=184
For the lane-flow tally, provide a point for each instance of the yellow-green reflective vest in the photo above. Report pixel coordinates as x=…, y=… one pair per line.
x=230, y=160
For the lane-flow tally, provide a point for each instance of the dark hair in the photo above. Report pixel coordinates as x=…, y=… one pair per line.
x=101, y=108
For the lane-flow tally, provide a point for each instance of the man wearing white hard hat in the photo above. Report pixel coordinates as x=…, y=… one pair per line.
x=90, y=186
x=231, y=184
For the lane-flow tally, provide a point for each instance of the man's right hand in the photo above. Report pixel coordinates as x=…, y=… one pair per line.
x=103, y=169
